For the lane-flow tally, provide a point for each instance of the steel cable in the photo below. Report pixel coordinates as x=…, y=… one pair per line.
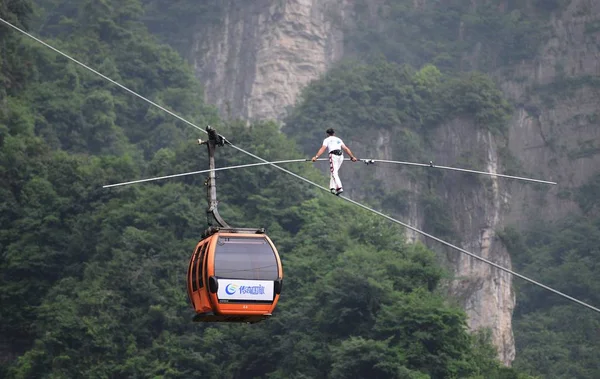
x=313, y=183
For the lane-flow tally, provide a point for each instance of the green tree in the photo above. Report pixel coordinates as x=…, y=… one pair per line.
x=554, y=338
x=455, y=35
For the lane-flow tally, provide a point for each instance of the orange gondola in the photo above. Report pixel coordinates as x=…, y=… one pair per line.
x=234, y=274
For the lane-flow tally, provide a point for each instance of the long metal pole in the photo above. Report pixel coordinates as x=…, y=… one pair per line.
x=203, y=172
x=431, y=165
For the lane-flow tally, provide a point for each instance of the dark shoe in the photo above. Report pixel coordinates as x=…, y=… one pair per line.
x=333, y=191
x=339, y=192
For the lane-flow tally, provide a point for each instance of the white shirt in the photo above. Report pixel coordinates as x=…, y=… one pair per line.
x=333, y=143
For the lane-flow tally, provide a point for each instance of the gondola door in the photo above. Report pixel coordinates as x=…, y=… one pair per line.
x=197, y=279
x=207, y=302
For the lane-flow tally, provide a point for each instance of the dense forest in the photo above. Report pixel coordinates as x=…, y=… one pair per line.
x=504, y=31
x=556, y=339
x=92, y=280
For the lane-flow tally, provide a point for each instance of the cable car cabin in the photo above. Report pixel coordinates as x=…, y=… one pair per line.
x=234, y=276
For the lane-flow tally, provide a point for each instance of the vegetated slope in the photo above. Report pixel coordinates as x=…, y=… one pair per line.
x=553, y=133
x=556, y=338
x=455, y=35
x=93, y=279
x=387, y=111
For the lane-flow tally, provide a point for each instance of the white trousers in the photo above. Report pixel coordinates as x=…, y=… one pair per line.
x=335, y=162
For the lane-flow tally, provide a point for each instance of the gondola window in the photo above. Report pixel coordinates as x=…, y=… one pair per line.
x=245, y=258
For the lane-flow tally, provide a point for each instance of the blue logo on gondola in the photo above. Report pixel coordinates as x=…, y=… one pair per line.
x=231, y=288
x=252, y=290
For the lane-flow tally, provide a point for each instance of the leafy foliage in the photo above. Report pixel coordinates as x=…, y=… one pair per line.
x=12, y=74
x=176, y=21
x=555, y=338
x=454, y=35
x=359, y=98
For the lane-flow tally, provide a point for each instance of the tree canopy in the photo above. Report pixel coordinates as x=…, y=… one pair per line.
x=360, y=98
x=454, y=35
x=555, y=338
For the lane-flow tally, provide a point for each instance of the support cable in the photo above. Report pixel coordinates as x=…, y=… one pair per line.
x=433, y=237
x=317, y=185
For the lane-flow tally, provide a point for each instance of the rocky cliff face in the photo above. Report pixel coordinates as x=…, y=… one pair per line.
x=555, y=130
x=255, y=63
x=476, y=208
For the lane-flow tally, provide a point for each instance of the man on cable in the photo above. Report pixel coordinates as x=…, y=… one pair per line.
x=335, y=146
